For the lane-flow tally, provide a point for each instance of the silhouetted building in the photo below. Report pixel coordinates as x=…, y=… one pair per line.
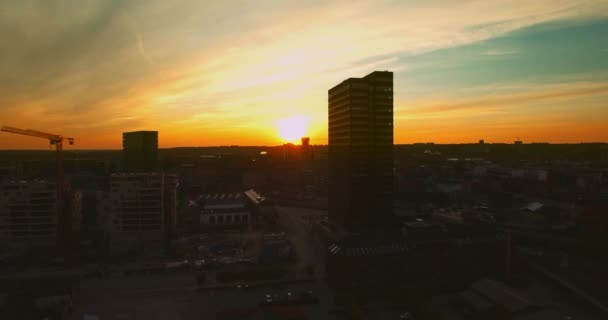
x=28, y=212
x=139, y=205
x=305, y=141
x=306, y=149
x=140, y=151
x=361, y=150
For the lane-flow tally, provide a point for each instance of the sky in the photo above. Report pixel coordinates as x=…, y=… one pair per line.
x=238, y=72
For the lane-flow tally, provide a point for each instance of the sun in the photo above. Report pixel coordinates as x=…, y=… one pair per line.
x=293, y=128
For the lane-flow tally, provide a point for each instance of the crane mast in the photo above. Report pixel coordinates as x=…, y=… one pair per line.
x=64, y=219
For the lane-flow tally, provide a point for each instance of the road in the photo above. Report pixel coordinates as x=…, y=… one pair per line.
x=309, y=250
x=175, y=297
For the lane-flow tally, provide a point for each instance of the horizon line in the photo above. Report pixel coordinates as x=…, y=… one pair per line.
x=324, y=145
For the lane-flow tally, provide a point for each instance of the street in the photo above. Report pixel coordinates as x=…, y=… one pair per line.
x=159, y=297
x=309, y=250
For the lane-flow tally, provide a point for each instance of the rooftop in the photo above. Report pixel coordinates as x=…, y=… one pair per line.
x=254, y=197
x=360, y=79
x=221, y=201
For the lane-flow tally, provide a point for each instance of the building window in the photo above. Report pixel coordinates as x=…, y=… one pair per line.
x=237, y=219
x=229, y=219
x=245, y=218
x=212, y=220
x=220, y=219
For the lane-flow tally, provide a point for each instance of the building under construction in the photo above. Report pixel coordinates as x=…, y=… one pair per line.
x=28, y=211
x=139, y=205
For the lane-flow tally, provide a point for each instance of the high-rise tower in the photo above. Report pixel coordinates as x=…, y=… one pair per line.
x=361, y=151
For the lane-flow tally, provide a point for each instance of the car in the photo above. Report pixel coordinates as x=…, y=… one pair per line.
x=268, y=298
x=242, y=286
x=274, y=299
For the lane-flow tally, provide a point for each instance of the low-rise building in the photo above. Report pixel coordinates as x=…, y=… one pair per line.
x=224, y=209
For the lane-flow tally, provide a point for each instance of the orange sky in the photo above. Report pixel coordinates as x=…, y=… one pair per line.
x=214, y=73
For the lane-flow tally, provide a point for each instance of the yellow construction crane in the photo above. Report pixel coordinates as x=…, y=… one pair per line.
x=64, y=219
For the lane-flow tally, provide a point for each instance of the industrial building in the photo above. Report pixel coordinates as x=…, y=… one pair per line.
x=28, y=211
x=361, y=150
x=140, y=151
x=224, y=209
x=141, y=205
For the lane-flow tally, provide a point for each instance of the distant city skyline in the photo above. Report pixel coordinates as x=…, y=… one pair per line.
x=212, y=73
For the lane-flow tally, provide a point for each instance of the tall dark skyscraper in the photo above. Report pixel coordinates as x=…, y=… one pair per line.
x=140, y=151
x=361, y=151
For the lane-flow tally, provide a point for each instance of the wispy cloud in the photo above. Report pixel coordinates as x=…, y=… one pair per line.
x=103, y=66
x=499, y=52
x=510, y=100
x=571, y=112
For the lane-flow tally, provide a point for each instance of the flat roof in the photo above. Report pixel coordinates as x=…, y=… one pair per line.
x=219, y=201
x=140, y=131
x=254, y=197
x=364, y=78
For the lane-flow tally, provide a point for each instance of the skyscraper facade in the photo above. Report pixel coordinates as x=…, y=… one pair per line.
x=361, y=151
x=140, y=151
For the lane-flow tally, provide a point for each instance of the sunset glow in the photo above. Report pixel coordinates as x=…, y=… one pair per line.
x=211, y=73
x=293, y=128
